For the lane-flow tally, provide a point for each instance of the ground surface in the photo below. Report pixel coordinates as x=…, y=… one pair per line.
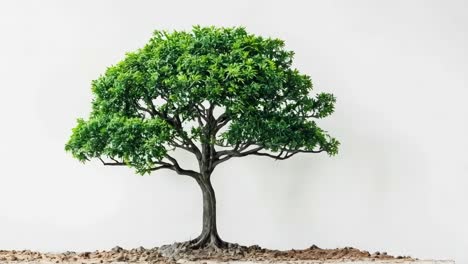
x=179, y=253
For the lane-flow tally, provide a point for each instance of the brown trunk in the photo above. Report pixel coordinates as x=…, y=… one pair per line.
x=209, y=235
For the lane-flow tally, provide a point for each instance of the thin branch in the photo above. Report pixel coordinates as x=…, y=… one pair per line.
x=200, y=116
x=176, y=124
x=144, y=110
x=115, y=163
x=222, y=120
x=237, y=148
x=288, y=154
x=166, y=166
x=201, y=112
x=176, y=167
x=236, y=153
x=255, y=151
x=181, y=145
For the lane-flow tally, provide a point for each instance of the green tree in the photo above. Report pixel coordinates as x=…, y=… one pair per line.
x=216, y=93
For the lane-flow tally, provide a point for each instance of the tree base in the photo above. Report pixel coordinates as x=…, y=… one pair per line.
x=204, y=245
x=207, y=240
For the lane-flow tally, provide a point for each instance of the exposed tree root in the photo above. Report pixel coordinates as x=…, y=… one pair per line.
x=207, y=240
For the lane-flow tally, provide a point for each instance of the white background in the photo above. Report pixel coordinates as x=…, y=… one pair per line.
x=398, y=68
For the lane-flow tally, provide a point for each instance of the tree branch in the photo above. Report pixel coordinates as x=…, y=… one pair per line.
x=166, y=166
x=288, y=153
x=115, y=163
x=236, y=149
x=176, y=167
x=255, y=151
x=144, y=110
x=235, y=153
x=222, y=120
x=201, y=112
x=181, y=145
x=176, y=123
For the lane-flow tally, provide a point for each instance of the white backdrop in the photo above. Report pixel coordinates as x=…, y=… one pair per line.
x=399, y=71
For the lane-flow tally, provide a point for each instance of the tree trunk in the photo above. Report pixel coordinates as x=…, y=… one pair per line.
x=209, y=235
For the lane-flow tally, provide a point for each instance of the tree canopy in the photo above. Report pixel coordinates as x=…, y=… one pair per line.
x=216, y=92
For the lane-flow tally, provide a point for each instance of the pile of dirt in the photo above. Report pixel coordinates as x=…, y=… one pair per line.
x=116, y=254
x=256, y=253
x=169, y=254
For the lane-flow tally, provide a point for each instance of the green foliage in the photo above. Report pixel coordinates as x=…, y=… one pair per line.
x=137, y=142
x=152, y=98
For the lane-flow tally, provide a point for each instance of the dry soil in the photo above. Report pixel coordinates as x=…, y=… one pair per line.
x=179, y=252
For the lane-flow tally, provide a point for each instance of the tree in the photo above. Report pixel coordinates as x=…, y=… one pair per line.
x=216, y=93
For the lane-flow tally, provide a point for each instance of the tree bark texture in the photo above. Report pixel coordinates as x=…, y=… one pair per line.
x=209, y=235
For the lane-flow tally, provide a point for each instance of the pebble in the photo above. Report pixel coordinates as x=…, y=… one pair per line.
x=117, y=249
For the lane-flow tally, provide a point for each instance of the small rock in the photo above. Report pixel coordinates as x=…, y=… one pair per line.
x=117, y=249
x=85, y=255
x=255, y=247
x=314, y=247
x=120, y=257
x=140, y=249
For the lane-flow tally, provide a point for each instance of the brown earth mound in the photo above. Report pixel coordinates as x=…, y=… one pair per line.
x=117, y=254
x=172, y=253
x=237, y=252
